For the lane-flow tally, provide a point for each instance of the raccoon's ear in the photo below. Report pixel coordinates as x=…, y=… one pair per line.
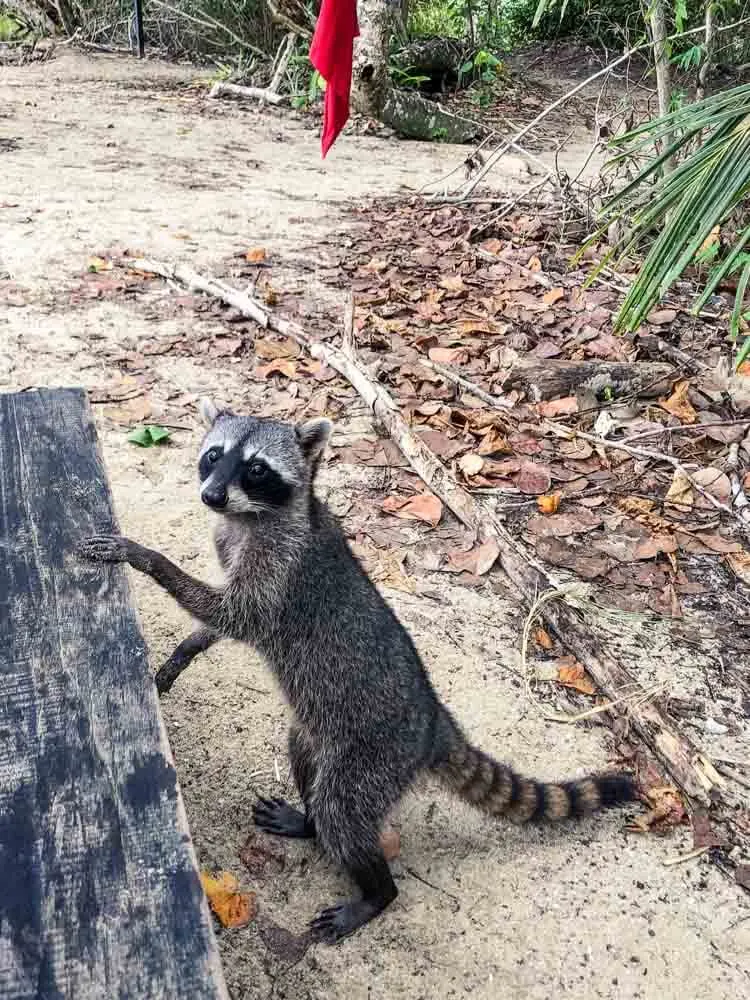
x=313, y=436
x=208, y=411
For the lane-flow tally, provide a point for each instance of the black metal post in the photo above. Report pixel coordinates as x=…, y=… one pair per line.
x=138, y=12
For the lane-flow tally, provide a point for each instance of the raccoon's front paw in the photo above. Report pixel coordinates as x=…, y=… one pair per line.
x=105, y=548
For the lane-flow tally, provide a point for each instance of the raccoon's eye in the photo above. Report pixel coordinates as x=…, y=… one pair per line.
x=213, y=455
x=257, y=470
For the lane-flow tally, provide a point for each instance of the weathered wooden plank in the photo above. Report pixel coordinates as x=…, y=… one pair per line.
x=99, y=890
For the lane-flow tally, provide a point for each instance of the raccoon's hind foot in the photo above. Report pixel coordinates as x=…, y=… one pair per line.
x=278, y=817
x=340, y=921
x=378, y=891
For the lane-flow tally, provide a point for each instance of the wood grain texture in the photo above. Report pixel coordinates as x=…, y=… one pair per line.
x=99, y=889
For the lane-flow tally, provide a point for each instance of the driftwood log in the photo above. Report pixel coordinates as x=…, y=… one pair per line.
x=269, y=96
x=548, y=378
x=681, y=758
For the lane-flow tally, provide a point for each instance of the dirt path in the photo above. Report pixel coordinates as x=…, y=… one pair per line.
x=109, y=153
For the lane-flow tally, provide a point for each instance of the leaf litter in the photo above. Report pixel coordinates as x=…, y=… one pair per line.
x=432, y=290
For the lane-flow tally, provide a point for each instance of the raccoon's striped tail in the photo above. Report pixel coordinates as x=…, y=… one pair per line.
x=499, y=791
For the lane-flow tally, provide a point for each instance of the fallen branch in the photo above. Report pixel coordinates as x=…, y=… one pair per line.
x=495, y=401
x=676, y=751
x=659, y=348
x=263, y=94
x=544, y=378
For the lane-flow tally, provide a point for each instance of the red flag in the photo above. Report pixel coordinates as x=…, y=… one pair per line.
x=331, y=54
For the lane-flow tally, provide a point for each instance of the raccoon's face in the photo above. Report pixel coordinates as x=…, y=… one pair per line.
x=252, y=465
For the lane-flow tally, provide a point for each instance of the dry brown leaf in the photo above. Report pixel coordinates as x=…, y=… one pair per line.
x=558, y=407
x=713, y=481
x=447, y=355
x=232, y=907
x=422, y=507
x=588, y=565
x=277, y=367
x=561, y=525
x=444, y=447
x=548, y=503
x=711, y=240
x=542, y=638
x=739, y=563
x=680, y=492
x=667, y=810
x=572, y=674
x=704, y=834
x=493, y=443
x=678, y=403
x=256, y=255
x=533, y=478
x=661, y=317
x=470, y=464
x=453, y=283
x=653, y=546
x=553, y=295
x=466, y=326
x=478, y=560
x=271, y=350
x=707, y=541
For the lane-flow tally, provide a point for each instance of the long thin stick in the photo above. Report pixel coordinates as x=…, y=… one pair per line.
x=680, y=756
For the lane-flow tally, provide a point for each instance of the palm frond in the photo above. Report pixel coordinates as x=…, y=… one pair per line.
x=710, y=184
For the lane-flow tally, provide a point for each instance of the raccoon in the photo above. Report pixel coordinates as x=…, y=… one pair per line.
x=367, y=720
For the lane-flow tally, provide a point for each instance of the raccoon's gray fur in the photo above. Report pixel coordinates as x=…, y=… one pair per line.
x=367, y=719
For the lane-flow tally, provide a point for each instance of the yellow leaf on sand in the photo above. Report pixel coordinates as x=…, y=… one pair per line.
x=232, y=907
x=548, y=503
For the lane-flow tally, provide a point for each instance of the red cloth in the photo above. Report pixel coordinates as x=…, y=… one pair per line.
x=331, y=54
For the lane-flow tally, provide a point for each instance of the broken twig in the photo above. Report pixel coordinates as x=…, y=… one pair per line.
x=264, y=95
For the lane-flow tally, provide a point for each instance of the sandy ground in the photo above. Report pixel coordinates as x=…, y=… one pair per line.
x=111, y=152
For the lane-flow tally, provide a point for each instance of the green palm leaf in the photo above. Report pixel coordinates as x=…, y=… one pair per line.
x=708, y=186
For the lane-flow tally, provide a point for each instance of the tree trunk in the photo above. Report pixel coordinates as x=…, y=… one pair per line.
x=708, y=52
x=657, y=21
x=373, y=93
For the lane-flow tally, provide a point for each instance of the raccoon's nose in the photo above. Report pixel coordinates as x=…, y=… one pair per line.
x=215, y=497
